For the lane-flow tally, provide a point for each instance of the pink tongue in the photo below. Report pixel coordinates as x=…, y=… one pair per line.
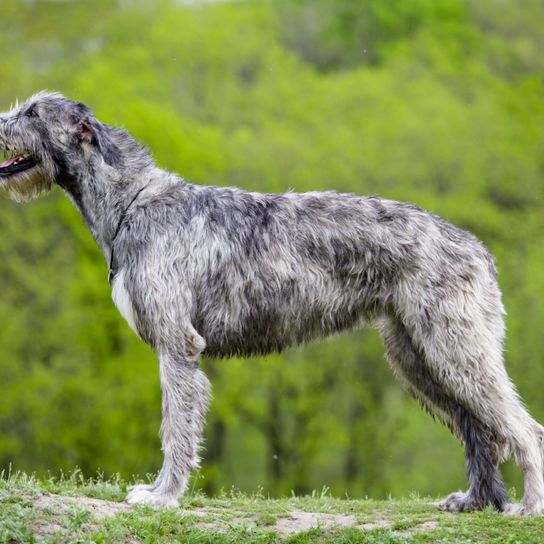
x=9, y=162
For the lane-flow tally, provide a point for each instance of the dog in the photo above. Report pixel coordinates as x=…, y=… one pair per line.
x=222, y=271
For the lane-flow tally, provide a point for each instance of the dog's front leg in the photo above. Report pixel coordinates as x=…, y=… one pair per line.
x=185, y=394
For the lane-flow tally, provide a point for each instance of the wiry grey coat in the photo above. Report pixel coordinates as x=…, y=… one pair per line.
x=222, y=271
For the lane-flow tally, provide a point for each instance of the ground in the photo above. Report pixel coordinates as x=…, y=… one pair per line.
x=76, y=510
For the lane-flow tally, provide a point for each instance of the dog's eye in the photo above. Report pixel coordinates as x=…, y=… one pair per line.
x=31, y=112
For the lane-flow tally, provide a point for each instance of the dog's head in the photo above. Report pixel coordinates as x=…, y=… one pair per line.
x=49, y=139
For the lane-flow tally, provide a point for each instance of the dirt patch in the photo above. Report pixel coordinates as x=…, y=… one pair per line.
x=378, y=524
x=298, y=521
x=46, y=529
x=428, y=525
x=99, y=508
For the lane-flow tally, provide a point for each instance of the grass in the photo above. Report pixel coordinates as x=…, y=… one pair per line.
x=75, y=510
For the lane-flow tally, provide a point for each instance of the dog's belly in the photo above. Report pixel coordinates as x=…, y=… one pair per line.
x=259, y=326
x=264, y=336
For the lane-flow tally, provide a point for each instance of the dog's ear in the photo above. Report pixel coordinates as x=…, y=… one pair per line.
x=87, y=128
x=82, y=124
x=85, y=132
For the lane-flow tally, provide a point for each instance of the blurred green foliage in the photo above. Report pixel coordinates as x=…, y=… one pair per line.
x=438, y=102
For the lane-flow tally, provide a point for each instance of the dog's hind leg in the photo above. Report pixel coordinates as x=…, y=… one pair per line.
x=185, y=395
x=461, y=345
x=481, y=448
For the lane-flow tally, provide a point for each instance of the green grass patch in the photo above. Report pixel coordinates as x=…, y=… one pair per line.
x=75, y=510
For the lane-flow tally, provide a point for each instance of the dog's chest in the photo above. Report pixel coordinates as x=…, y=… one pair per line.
x=122, y=300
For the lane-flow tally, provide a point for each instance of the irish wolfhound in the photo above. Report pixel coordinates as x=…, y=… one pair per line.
x=224, y=271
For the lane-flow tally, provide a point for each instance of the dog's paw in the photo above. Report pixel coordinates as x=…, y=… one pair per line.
x=520, y=509
x=458, y=502
x=143, y=494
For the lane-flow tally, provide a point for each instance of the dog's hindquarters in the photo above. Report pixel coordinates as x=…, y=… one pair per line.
x=446, y=344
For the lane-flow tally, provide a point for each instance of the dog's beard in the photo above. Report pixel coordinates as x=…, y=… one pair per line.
x=27, y=185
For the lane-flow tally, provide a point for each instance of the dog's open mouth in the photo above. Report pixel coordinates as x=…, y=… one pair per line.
x=16, y=162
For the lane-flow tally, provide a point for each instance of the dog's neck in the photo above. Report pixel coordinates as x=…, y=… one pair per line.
x=103, y=184
x=103, y=196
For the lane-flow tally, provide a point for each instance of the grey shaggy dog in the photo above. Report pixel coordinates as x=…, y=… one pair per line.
x=224, y=271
